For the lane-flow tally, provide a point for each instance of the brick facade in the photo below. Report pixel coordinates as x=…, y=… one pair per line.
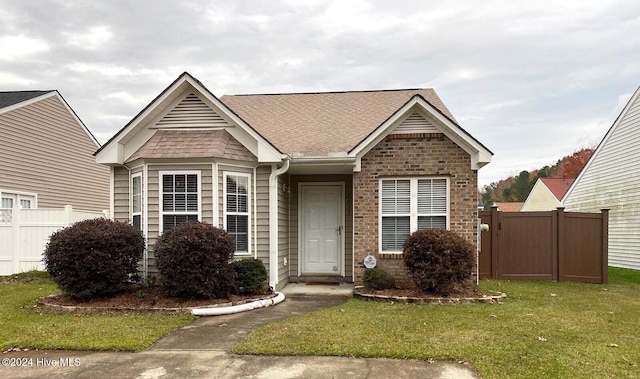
x=411, y=155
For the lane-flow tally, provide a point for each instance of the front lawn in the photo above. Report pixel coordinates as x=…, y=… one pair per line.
x=542, y=330
x=23, y=327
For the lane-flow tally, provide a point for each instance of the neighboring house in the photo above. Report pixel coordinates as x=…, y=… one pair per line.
x=546, y=194
x=610, y=179
x=308, y=183
x=509, y=206
x=46, y=155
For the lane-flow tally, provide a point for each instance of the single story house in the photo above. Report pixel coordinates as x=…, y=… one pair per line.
x=610, y=180
x=310, y=183
x=546, y=194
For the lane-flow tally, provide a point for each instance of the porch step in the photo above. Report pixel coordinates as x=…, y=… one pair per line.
x=321, y=280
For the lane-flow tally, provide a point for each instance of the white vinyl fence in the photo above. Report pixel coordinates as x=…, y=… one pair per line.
x=24, y=234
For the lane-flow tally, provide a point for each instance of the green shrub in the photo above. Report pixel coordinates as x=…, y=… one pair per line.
x=378, y=279
x=193, y=261
x=251, y=276
x=439, y=260
x=94, y=258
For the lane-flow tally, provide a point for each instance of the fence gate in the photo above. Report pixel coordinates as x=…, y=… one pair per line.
x=554, y=245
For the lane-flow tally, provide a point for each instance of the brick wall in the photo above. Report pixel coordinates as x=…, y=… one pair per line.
x=411, y=155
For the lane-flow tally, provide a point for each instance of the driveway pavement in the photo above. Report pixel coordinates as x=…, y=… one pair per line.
x=200, y=350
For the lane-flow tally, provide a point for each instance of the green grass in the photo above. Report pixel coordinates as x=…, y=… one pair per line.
x=24, y=327
x=542, y=330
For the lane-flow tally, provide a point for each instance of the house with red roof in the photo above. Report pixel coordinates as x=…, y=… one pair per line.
x=309, y=183
x=546, y=194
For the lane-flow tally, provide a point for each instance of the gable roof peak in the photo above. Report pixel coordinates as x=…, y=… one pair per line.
x=8, y=98
x=336, y=92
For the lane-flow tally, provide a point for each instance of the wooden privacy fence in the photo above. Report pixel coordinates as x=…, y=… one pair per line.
x=553, y=245
x=24, y=234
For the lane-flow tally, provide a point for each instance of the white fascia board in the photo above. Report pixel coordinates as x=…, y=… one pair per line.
x=129, y=136
x=480, y=156
x=266, y=151
x=113, y=154
x=323, y=165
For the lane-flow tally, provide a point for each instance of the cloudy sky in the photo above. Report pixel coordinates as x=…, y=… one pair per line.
x=533, y=81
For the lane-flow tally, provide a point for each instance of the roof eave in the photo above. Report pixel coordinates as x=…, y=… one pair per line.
x=112, y=151
x=480, y=155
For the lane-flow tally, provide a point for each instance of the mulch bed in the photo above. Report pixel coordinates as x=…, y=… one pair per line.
x=145, y=298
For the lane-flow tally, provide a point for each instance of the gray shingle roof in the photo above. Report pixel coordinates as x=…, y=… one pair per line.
x=14, y=97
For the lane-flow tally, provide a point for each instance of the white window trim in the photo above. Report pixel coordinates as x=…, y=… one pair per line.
x=413, y=216
x=141, y=212
x=225, y=174
x=20, y=195
x=160, y=195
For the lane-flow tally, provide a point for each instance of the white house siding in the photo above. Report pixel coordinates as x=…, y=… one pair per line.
x=44, y=150
x=610, y=180
x=540, y=199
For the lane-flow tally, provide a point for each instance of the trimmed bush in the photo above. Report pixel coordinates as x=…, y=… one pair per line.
x=378, y=279
x=193, y=261
x=439, y=260
x=94, y=258
x=251, y=276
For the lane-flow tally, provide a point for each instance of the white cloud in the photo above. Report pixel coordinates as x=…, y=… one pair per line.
x=8, y=80
x=93, y=38
x=528, y=79
x=16, y=47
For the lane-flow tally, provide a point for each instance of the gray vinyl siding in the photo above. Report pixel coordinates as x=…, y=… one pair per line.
x=283, y=230
x=610, y=180
x=262, y=207
x=295, y=180
x=44, y=150
x=121, y=194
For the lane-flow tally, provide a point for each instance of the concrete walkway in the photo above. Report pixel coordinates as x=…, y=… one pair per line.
x=200, y=350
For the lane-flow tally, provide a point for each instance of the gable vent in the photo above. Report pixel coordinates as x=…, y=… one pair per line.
x=415, y=124
x=192, y=112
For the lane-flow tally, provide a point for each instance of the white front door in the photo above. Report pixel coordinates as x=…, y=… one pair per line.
x=321, y=228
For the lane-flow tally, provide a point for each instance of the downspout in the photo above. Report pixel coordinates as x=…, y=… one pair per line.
x=273, y=223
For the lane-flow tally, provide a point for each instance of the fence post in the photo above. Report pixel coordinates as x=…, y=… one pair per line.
x=494, y=242
x=17, y=241
x=605, y=245
x=558, y=270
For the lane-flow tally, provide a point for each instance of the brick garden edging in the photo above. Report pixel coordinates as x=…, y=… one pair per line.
x=429, y=300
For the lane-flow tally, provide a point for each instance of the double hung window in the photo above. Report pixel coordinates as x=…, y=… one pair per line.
x=180, y=198
x=407, y=205
x=237, y=203
x=136, y=201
